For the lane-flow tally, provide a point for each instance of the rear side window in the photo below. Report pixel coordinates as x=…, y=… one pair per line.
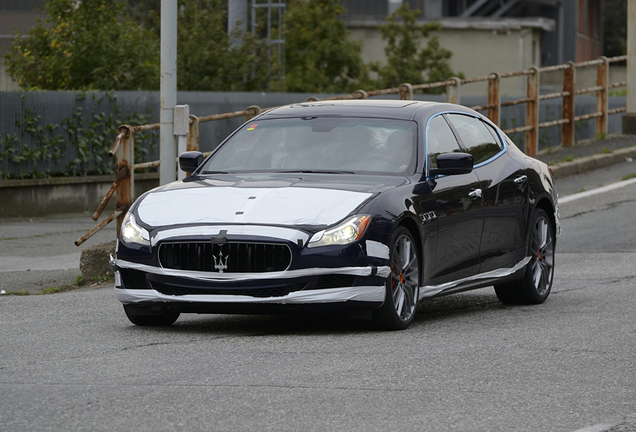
x=440, y=139
x=478, y=138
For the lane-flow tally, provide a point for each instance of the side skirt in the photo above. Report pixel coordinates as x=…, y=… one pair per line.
x=478, y=281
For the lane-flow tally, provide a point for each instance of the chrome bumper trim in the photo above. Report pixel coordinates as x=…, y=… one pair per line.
x=383, y=272
x=373, y=294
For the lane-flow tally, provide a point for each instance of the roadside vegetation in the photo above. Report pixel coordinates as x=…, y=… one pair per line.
x=79, y=282
x=106, y=45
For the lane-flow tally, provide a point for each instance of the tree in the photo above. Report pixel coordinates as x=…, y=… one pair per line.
x=205, y=59
x=318, y=56
x=87, y=45
x=406, y=62
x=615, y=38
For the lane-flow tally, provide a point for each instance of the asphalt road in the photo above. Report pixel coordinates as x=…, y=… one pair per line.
x=72, y=361
x=38, y=253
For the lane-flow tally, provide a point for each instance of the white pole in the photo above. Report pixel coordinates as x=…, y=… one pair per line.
x=629, y=119
x=168, y=69
x=237, y=11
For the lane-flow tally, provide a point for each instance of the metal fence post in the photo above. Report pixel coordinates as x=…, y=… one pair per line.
x=494, y=98
x=532, y=112
x=193, y=135
x=360, y=94
x=252, y=111
x=567, y=129
x=602, y=73
x=406, y=92
x=453, y=91
x=125, y=162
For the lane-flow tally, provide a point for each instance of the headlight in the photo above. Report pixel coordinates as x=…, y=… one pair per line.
x=345, y=233
x=133, y=233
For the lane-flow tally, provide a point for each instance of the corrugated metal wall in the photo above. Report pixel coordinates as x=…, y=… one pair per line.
x=61, y=132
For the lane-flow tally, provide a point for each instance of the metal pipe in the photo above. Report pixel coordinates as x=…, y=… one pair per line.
x=99, y=226
x=167, y=146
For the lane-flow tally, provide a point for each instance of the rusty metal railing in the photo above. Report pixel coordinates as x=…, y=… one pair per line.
x=123, y=148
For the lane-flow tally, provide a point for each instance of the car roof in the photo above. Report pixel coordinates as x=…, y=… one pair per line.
x=379, y=108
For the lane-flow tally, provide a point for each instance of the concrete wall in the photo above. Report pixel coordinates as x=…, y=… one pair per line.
x=476, y=51
x=39, y=197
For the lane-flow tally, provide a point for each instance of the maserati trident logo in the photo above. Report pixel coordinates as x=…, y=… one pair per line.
x=220, y=264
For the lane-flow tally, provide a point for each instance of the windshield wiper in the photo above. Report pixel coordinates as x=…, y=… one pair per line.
x=215, y=172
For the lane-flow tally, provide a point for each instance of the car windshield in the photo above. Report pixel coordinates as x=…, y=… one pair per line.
x=331, y=145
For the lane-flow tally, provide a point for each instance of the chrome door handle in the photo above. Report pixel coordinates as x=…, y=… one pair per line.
x=474, y=194
x=520, y=180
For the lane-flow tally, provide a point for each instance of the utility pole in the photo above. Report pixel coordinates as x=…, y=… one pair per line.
x=237, y=11
x=168, y=90
x=629, y=119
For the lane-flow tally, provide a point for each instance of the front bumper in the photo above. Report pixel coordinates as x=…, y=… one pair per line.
x=371, y=294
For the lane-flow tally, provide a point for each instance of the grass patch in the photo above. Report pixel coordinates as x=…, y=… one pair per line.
x=50, y=290
x=79, y=282
x=568, y=158
x=102, y=278
x=629, y=176
x=605, y=150
x=601, y=136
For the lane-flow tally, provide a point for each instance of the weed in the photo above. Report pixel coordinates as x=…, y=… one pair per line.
x=80, y=280
x=629, y=176
x=50, y=290
x=568, y=158
x=606, y=150
x=17, y=293
x=102, y=277
x=601, y=136
x=618, y=93
x=582, y=190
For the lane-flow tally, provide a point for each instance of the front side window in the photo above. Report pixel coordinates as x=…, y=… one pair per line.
x=476, y=137
x=440, y=139
x=355, y=145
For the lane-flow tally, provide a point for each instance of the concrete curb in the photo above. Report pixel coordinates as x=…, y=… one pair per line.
x=94, y=260
x=590, y=163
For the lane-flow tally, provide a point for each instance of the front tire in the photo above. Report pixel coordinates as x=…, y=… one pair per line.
x=402, y=286
x=536, y=284
x=163, y=319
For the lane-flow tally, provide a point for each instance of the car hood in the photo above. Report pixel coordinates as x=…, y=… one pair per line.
x=291, y=202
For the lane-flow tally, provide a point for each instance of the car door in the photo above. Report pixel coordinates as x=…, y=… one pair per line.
x=459, y=210
x=504, y=189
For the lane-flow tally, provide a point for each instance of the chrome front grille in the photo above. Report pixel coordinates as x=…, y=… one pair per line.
x=231, y=257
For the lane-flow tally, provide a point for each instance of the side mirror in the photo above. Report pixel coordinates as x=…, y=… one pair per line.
x=453, y=164
x=190, y=160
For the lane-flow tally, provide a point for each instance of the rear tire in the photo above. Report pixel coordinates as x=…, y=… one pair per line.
x=536, y=284
x=403, y=285
x=164, y=319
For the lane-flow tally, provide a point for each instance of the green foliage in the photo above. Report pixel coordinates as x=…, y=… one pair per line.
x=49, y=290
x=318, y=56
x=615, y=27
x=88, y=137
x=88, y=45
x=628, y=176
x=406, y=62
x=206, y=61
